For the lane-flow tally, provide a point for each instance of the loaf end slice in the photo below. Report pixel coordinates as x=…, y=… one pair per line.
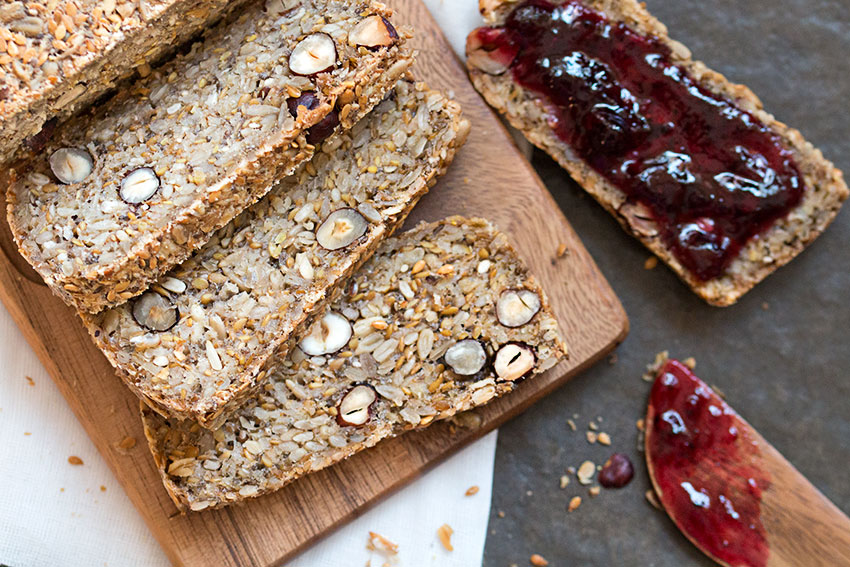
x=119, y=196
x=443, y=319
x=209, y=332
x=825, y=187
x=67, y=55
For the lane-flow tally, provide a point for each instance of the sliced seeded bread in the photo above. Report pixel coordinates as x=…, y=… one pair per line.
x=444, y=318
x=205, y=336
x=787, y=237
x=121, y=195
x=58, y=57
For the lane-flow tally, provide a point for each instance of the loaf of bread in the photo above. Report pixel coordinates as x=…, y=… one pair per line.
x=444, y=318
x=205, y=336
x=119, y=196
x=58, y=57
x=618, y=113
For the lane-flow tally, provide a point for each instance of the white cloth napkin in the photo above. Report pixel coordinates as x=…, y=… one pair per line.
x=55, y=513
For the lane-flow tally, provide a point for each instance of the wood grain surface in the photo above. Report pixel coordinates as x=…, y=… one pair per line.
x=489, y=179
x=803, y=527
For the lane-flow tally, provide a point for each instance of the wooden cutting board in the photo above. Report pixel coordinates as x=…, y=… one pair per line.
x=489, y=179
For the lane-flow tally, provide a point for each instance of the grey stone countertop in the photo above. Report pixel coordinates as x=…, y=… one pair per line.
x=781, y=355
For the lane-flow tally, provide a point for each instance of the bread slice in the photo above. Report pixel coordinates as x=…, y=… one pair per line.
x=787, y=237
x=177, y=155
x=419, y=341
x=60, y=57
x=205, y=337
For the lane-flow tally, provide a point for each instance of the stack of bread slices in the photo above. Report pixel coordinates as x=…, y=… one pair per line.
x=223, y=224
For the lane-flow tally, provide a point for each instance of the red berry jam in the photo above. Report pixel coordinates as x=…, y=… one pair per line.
x=706, y=466
x=712, y=175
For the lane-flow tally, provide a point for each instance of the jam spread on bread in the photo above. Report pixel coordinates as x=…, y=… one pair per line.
x=711, y=174
x=706, y=466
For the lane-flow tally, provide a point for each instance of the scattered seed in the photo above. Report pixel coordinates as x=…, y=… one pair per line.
x=74, y=460
x=572, y=424
x=30, y=381
x=562, y=250
x=604, y=439
x=127, y=443
x=565, y=480
x=594, y=491
x=591, y=437
x=640, y=425
x=102, y=488
x=445, y=532
x=574, y=504
x=651, y=263
x=585, y=472
x=472, y=490
x=501, y=514
x=538, y=560
x=690, y=362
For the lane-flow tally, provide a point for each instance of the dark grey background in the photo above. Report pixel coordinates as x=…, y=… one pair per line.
x=784, y=368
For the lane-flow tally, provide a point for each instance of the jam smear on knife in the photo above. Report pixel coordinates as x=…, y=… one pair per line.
x=707, y=467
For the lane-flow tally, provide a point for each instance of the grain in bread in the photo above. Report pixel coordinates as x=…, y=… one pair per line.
x=198, y=343
x=119, y=196
x=427, y=326
x=58, y=57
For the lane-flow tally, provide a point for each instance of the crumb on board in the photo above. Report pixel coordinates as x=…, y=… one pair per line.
x=472, y=490
x=592, y=437
x=102, y=488
x=562, y=250
x=594, y=491
x=572, y=424
x=501, y=514
x=612, y=360
x=565, y=481
x=127, y=443
x=75, y=460
x=445, y=532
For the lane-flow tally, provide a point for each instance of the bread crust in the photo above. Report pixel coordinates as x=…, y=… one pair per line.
x=764, y=253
